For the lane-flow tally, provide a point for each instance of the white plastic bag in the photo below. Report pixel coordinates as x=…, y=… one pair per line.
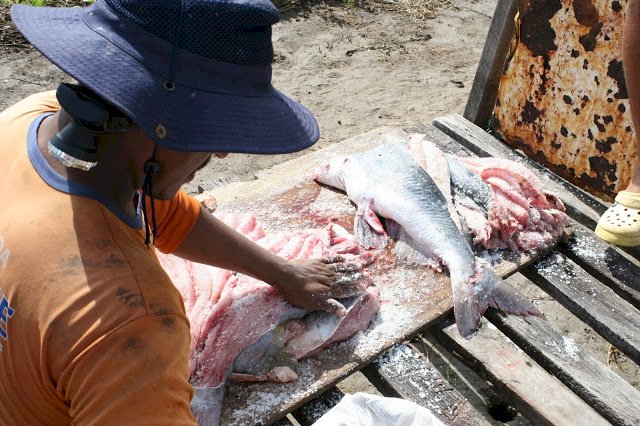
x=362, y=409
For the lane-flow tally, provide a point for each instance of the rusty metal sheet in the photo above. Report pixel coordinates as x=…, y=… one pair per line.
x=563, y=99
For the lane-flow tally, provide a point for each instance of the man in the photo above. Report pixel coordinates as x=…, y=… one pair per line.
x=91, y=328
x=620, y=224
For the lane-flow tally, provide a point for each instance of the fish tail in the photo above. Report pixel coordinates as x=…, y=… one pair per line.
x=495, y=292
x=489, y=290
x=466, y=311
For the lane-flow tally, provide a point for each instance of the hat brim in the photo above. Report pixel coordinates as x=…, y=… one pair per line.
x=193, y=120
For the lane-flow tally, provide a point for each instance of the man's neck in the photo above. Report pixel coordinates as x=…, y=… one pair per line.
x=110, y=179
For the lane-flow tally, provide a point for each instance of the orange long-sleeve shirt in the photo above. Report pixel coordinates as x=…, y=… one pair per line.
x=91, y=328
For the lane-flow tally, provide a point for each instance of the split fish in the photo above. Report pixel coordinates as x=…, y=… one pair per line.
x=388, y=182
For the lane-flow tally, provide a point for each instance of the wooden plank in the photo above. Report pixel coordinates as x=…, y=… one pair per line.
x=535, y=393
x=309, y=413
x=484, y=91
x=593, y=302
x=606, y=263
x=581, y=206
x=285, y=197
x=603, y=390
x=408, y=376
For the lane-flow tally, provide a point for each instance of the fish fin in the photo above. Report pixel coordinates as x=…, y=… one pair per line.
x=368, y=229
x=393, y=228
x=407, y=250
x=206, y=404
x=495, y=292
x=489, y=291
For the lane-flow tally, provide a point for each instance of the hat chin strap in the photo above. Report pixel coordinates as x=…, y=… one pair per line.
x=151, y=168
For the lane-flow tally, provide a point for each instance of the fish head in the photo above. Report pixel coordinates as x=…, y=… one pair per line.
x=332, y=173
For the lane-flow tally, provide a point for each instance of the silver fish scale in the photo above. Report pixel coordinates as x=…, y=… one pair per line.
x=468, y=183
x=412, y=189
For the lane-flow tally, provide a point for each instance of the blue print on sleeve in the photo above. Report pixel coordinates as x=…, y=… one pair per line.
x=6, y=312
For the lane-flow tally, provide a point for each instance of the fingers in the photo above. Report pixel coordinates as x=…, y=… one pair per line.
x=333, y=306
x=349, y=279
x=347, y=285
x=342, y=292
x=344, y=267
x=331, y=259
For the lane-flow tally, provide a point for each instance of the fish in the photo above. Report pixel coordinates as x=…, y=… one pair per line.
x=498, y=203
x=388, y=182
x=465, y=182
x=468, y=196
x=524, y=216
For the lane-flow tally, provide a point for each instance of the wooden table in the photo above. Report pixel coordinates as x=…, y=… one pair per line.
x=285, y=197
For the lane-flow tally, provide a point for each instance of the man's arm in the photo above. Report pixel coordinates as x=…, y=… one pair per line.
x=310, y=284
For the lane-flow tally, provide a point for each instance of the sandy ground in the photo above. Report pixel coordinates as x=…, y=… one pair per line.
x=359, y=67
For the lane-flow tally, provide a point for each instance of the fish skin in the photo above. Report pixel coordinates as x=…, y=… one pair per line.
x=469, y=183
x=389, y=181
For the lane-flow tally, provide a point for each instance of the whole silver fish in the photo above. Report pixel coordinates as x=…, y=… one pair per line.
x=387, y=181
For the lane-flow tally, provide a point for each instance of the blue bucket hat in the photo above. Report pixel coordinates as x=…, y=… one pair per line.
x=194, y=75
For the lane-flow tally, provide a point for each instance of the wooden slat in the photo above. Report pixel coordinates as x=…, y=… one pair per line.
x=442, y=140
x=606, y=263
x=483, y=93
x=402, y=373
x=535, y=393
x=593, y=302
x=604, y=391
x=581, y=206
x=309, y=413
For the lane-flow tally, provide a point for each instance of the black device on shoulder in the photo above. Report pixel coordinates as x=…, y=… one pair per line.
x=75, y=145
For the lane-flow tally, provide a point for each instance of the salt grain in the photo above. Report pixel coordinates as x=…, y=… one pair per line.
x=571, y=349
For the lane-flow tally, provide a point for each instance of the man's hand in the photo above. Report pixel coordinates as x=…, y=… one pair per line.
x=315, y=284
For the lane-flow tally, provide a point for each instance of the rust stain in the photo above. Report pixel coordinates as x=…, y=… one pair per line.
x=586, y=13
x=563, y=99
x=535, y=30
x=588, y=41
x=616, y=72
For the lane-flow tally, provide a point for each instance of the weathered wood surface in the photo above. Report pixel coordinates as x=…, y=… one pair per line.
x=309, y=413
x=497, y=45
x=603, y=390
x=535, y=393
x=593, y=302
x=606, y=263
x=286, y=198
x=401, y=372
